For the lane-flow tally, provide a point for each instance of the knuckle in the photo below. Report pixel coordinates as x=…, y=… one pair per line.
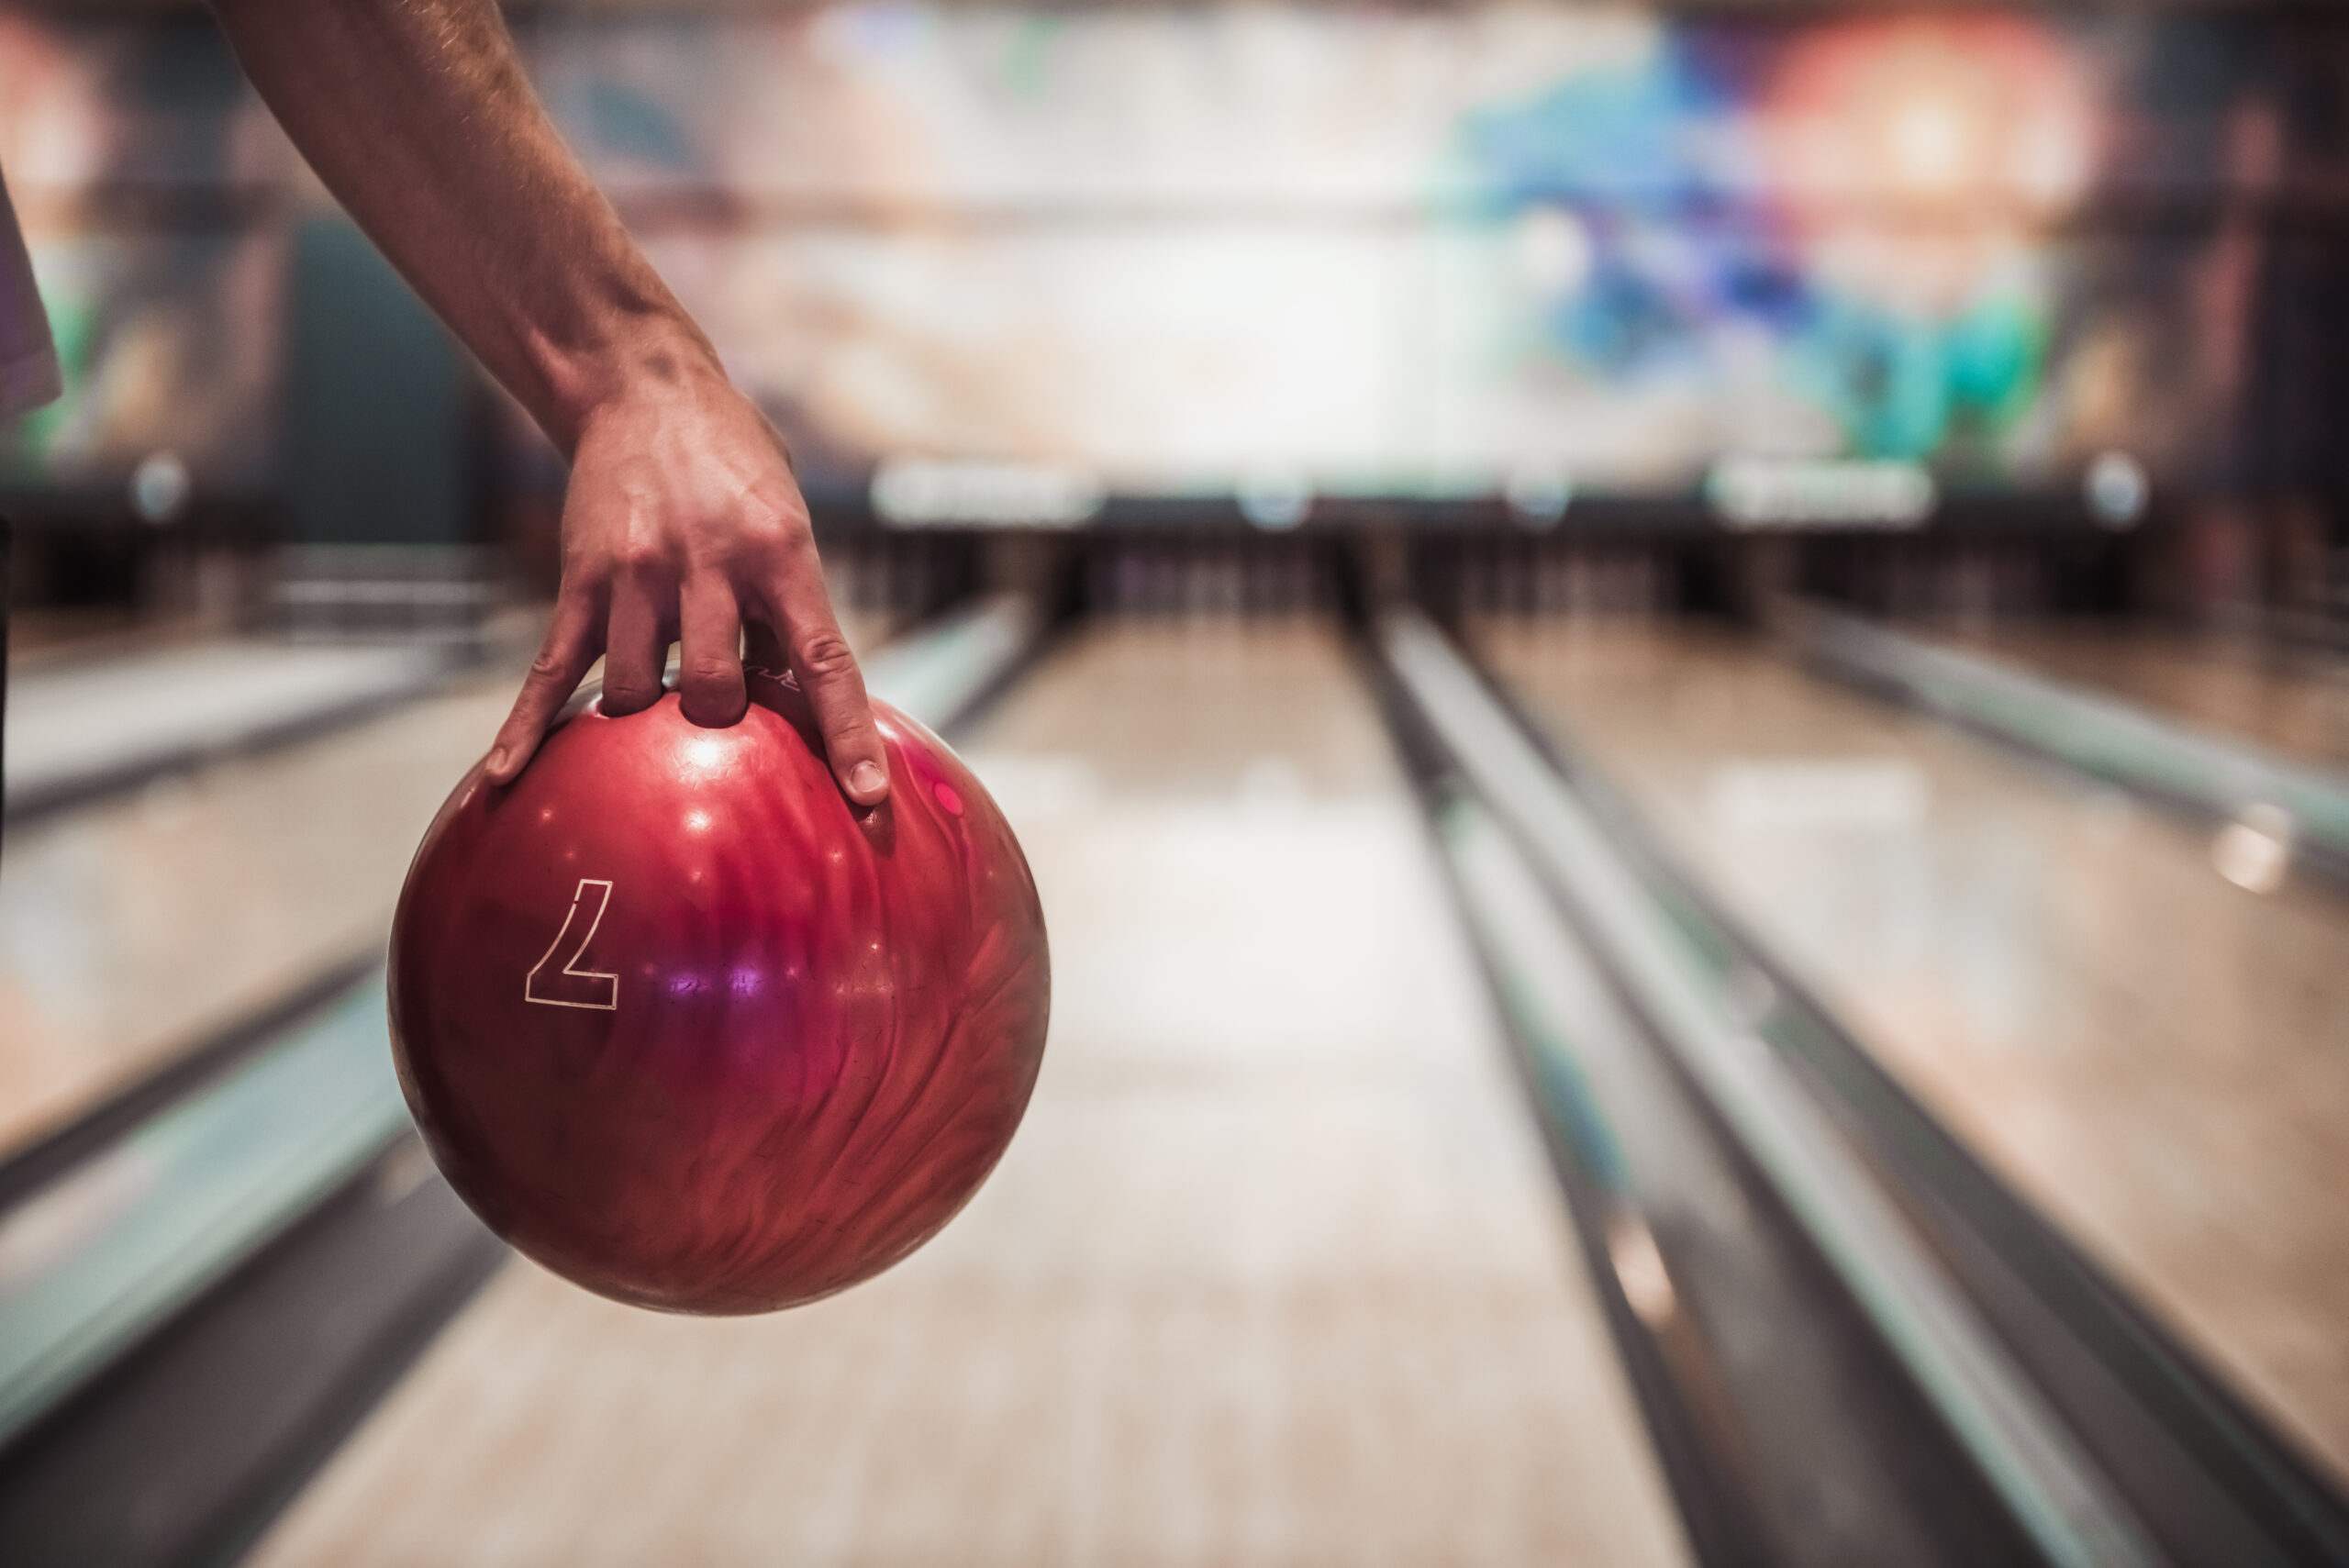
x=549, y=668
x=792, y=526
x=712, y=670
x=771, y=536
x=825, y=656
x=641, y=558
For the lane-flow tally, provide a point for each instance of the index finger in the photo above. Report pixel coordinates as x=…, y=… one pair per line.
x=564, y=655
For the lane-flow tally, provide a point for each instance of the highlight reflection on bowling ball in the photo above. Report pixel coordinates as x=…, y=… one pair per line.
x=687, y=1028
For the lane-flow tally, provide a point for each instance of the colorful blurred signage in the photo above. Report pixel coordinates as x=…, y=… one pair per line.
x=1540, y=252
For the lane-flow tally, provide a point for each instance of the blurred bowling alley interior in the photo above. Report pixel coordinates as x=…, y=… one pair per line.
x=1675, y=677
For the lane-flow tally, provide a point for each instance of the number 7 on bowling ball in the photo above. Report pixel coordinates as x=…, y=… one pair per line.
x=589, y=987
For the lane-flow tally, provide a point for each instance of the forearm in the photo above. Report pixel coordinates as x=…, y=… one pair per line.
x=682, y=522
x=417, y=117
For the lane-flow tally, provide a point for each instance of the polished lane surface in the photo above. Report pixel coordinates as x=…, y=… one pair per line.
x=1275, y=1274
x=2153, y=1054
x=135, y=926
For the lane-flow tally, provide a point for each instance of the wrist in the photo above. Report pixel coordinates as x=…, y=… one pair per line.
x=656, y=354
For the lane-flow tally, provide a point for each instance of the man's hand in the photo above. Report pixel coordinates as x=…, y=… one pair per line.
x=682, y=520
x=681, y=523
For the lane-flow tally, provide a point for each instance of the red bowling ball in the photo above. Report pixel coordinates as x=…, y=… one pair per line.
x=684, y=1025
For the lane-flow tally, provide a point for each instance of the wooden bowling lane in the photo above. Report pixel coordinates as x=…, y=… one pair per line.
x=2290, y=700
x=1275, y=1274
x=2151, y=1054
x=131, y=927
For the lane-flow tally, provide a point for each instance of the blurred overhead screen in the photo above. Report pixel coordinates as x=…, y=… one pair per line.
x=1180, y=250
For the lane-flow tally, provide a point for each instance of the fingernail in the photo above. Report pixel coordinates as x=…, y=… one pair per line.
x=865, y=778
x=497, y=761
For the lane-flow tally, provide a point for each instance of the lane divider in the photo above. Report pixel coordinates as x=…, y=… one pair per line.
x=2055, y=1491
x=2302, y=810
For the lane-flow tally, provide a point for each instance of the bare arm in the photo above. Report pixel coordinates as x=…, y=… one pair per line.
x=683, y=519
